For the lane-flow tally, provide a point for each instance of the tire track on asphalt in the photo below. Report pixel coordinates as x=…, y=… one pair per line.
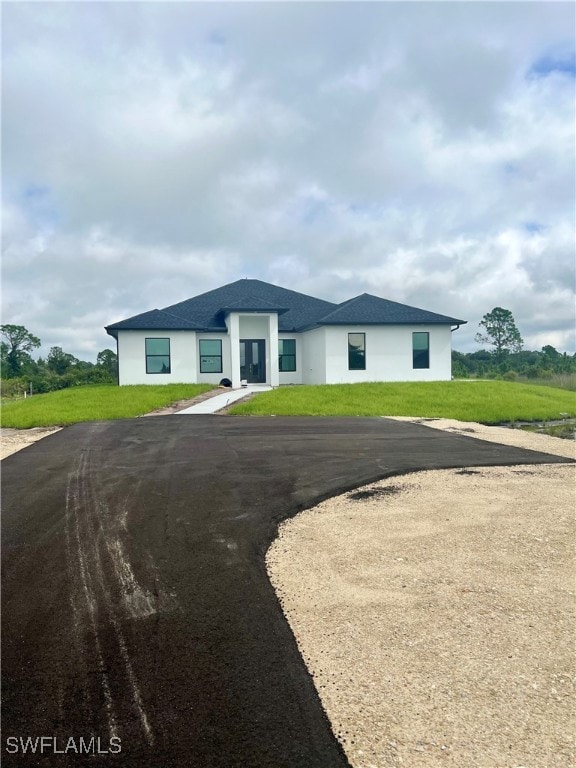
x=91, y=532
x=76, y=550
x=217, y=675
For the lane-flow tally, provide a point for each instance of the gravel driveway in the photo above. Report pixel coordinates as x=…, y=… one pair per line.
x=437, y=614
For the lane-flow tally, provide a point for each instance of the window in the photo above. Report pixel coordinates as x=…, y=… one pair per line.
x=210, y=356
x=357, y=351
x=157, y=355
x=286, y=355
x=421, y=349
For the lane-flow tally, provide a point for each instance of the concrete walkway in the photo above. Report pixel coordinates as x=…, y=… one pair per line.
x=229, y=396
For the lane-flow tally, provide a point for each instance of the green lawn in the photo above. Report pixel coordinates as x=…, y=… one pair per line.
x=92, y=403
x=489, y=402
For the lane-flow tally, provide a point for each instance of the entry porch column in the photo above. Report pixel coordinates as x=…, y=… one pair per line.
x=234, y=333
x=273, y=351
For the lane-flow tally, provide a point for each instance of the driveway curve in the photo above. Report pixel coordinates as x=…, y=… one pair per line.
x=137, y=611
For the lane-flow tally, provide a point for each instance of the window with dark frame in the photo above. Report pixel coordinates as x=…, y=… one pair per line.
x=357, y=351
x=420, y=349
x=210, y=356
x=157, y=356
x=286, y=355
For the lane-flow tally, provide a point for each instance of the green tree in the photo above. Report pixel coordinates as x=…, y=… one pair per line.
x=108, y=360
x=59, y=361
x=500, y=332
x=551, y=352
x=461, y=366
x=15, y=349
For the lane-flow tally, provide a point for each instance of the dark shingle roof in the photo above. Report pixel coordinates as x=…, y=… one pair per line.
x=207, y=309
x=372, y=310
x=296, y=311
x=253, y=304
x=155, y=319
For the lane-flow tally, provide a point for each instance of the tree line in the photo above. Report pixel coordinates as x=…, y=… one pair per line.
x=542, y=364
x=506, y=357
x=21, y=373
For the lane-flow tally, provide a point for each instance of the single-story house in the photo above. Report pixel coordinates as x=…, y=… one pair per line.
x=256, y=332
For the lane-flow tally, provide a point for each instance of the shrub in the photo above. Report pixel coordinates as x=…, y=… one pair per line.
x=14, y=387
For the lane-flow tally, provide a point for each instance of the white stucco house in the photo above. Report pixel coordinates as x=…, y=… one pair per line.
x=253, y=331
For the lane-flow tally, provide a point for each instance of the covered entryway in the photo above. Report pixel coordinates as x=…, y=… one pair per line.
x=253, y=347
x=253, y=360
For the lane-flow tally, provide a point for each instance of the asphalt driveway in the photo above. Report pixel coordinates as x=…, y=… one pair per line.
x=136, y=605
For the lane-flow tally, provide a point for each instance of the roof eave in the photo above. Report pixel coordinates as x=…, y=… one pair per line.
x=448, y=321
x=112, y=330
x=225, y=311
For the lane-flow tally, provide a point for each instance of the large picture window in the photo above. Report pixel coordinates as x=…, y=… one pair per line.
x=421, y=349
x=286, y=355
x=157, y=355
x=357, y=351
x=210, y=356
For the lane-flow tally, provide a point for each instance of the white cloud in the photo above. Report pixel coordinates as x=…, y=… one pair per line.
x=416, y=151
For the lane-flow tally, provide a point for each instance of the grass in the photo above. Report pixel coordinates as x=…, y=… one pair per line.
x=562, y=380
x=93, y=403
x=566, y=430
x=489, y=402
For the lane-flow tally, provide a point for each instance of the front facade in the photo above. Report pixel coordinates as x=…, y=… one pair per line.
x=255, y=332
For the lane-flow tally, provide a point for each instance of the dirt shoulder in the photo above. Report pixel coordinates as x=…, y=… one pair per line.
x=13, y=440
x=503, y=435
x=437, y=612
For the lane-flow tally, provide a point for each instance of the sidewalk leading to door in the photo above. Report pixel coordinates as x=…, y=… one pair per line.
x=228, y=397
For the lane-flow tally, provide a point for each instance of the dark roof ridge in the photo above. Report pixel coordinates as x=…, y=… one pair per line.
x=346, y=302
x=249, y=280
x=295, y=309
x=376, y=310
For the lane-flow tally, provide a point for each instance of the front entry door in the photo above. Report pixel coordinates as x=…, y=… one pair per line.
x=253, y=360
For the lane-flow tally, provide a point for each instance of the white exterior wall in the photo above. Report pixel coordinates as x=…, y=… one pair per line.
x=214, y=378
x=314, y=356
x=254, y=326
x=232, y=323
x=388, y=354
x=321, y=354
x=132, y=357
x=272, y=373
x=293, y=377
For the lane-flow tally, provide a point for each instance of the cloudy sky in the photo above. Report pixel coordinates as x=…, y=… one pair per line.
x=419, y=151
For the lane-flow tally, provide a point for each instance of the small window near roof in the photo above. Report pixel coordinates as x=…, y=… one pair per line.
x=157, y=355
x=286, y=355
x=421, y=349
x=357, y=351
x=210, y=356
